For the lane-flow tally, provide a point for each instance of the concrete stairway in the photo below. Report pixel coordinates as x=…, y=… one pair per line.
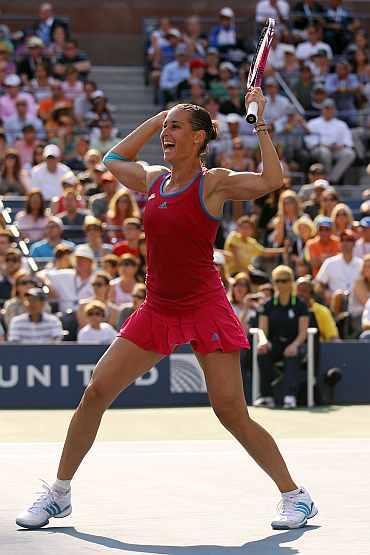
x=133, y=102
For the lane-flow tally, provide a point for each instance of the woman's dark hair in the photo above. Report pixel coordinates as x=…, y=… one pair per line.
x=200, y=120
x=41, y=212
x=12, y=153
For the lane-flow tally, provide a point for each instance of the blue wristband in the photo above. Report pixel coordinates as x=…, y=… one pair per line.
x=110, y=156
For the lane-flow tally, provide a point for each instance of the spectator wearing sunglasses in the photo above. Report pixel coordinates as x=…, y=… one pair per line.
x=96, y=329
x=123, y=286
x=284, y=321
x=100, y=284
x=138, y=297
x=16, y=305
x=94, y=234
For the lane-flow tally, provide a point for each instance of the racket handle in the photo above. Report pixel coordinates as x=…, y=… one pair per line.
x=252, y=112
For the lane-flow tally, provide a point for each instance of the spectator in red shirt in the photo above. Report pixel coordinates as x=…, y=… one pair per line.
x=132, y=231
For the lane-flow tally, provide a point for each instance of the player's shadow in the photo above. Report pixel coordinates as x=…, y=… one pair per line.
x=264, y=546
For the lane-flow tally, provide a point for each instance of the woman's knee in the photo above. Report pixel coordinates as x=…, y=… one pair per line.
x=95, y=396
x=230, y=410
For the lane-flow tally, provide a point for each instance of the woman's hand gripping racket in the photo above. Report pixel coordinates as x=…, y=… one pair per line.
x=258, y=66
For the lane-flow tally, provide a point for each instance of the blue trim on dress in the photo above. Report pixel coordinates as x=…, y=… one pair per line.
x=174, y=194
x=153, y=181
x=203, y=204
x=111, y=156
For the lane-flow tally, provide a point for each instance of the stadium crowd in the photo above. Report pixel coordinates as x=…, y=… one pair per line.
x=72, y=247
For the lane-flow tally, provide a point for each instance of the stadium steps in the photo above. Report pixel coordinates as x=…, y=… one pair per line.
x=132, y=102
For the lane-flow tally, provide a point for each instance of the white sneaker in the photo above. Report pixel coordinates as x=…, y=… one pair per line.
x=264, y=402
x=290, y=402
x=294, y=510
x=48, y=504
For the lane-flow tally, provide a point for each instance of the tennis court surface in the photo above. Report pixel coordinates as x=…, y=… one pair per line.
x=190, y=497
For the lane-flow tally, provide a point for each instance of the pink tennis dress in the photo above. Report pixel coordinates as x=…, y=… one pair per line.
x=186, y=300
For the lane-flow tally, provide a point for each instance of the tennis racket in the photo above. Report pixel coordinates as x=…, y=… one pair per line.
x=258, y=65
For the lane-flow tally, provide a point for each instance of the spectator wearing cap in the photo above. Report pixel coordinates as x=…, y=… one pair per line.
x=109, y=265
x=100, y=283
x=305, y=13
x=16, y=305
x=307, y=49
x=330, y=142
x=26, y=66
x=318, y=97
x=284, y=321
x=100, y=109
x=338, y=274
x=47, y=176
x=94, y=234
x=132, y=232
x=69, y=286
x=7, y=101
x=315, y=171
x=74, y=57
x=219, y=87
x=47, y=23
x=138, y=297
x=344, y=88
x=100, y=202
x=105, y=138
x=312, y=206
x=322, y=317
x=36, y=326
x=223, y=36
x=26, y=145
x=15, y=124
x=277, y=9
x=53, y=237
x=362, y=247
x=197, y=68
x=96, y=330
x=73, y=217
x=173, y=74
x=277, y=105
x=13, y=263
x=323, y=246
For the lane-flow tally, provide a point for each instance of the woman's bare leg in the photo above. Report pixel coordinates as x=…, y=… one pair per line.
x=225, y=389
x=121, y=365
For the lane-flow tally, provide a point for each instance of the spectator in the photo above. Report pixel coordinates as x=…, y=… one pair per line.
x=100, y=202
x=277, y=105
x=242, y=247
x=318, y=96
x=328, y=200
x=106, y=138
x=122, y=287
x=16, y=305
x=74, y=57
x=193, y=37
x=323, y=246
x=21, y=117
x=344, y=88
x=5, y=244
x=360, y=293
x=323, y=318
x=223, y=35
x=55, y=101
x=338, y=26
x=277, y=9
x=159, y=40
x=13, y=179
x=312, y=207
x=47, y=24
x=365, y=322
x=109, y=265
x=132, y=232
x=96, y=331
x=289, y=210
x=306, y=13
x=238, y=296
x=77, y=159
x=290, y=69
x=303, y=229
x=36, y=326
x=73, y=218
x=342, y=218
x=212, y=61
x=40, y=85
x=307, y=49
x=69, y=181
x=48, y=175
x=8, y=100
x=72, y=86
x=32, y=221
x=338, y=274
x=315, y=171
x=94, y=234
x=238, y=159
x=53, y=237
x=173, y=74
x=100, y=109
x=331, y=142
x=91, y=177
x=219, y=86
x=13, y=263
x=82, y=104
x=7, y=66
x=289, y=132
x=25, y=146
x=235, y=103
x=362, y=247
x=284, y=321
x=69, y=286
x=138, y=297
x=26, y=66
x=320, y=65
x=304, y=87
x=121, y=206
x=100, y=284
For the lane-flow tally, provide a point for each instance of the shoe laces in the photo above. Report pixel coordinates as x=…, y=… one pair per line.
x=45, y=497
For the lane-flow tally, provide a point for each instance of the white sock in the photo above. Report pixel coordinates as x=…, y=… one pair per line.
x=61, y=486
x=290, y=493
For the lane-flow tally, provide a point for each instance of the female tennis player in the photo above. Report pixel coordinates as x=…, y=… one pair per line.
x=185, y=302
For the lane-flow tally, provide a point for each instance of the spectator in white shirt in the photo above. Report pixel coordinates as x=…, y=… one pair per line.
x=14, y=124
x=277, y=105
x=338, y=274
x=362, y=247
x=174, y=73
x=96, y=331
x=36, y=326
x=330, y=142
x=365, y=322
x=7, y=101
x=277, y=9
x=305, y=50
x=47, y=176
